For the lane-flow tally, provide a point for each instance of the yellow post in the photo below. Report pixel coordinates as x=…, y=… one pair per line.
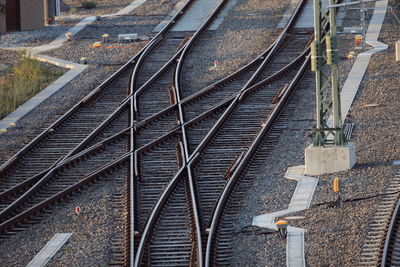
x=336, y=189
x=281, y=224
x=336, y=185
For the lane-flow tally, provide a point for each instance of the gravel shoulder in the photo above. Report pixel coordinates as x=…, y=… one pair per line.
x=376, y=135
x=247, y=31
x=330, y=230
x=335, y=236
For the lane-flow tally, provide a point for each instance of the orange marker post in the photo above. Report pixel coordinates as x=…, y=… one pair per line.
x=281, y=224
x=336, y=189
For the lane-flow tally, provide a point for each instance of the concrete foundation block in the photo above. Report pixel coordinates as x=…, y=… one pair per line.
x=323, y=160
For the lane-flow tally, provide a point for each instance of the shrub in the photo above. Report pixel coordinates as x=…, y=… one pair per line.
x=27, y=78
x=88, y=4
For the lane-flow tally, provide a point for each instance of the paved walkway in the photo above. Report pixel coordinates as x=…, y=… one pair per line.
x=308, y=20
x=301, y=200
x=49, y=250
x=360, y=65
x=304, y=191
x=196, y=16
x=75, y=68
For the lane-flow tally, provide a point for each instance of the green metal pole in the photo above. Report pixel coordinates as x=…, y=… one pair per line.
x=337, y=118
x=316, y=58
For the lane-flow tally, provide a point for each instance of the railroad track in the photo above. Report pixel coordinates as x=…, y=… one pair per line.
x=88, y=156
x=382, y=240
x=206, y=163
x=69, y=134
x=85, y=144
x=190, y=148
x=390, y=255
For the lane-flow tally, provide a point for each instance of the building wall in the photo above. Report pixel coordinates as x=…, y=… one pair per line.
x=2, y=23
x=2, y=19
x=32, y=14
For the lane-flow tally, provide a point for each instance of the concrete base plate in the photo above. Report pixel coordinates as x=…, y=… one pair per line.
x=322, y=160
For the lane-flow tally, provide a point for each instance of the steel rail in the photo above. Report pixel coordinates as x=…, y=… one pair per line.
x=4, y=226
x=266, y=56
x=169, y=190
x=38, y=179
x=33, y=181
x=220, y=106
x=156, y=211
x=157, y=40
x=278, y=43
x=246, y=159
x=390, y=236
x=156, y=76
x=201, y=93
x=159, y=204
x=274, y=48
x=10, y=209
x=93, y=94
x=217, y=213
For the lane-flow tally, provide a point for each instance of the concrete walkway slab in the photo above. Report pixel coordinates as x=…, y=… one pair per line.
x=301, y=200
x=196, y=15
x=307, y=18
x=307, y=21
x=130, y=7
x=178, y=6
x=49, y=250
x=295, y=247
x=360, y=65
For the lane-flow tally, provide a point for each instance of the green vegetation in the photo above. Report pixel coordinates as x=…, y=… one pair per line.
x=73, y=11
x=26, y=79
x=88, y=4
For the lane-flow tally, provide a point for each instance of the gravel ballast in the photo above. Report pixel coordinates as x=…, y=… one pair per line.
x=92, y=232
x=242, y=36
x=335, y=235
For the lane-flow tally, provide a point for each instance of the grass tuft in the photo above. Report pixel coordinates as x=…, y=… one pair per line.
x=27, y=78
